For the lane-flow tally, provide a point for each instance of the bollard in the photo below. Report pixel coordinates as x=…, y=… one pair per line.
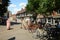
x=8, y=24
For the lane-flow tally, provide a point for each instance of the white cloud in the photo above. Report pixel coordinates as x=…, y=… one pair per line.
x=12, y=5
x=15, y=10
x=22, y=5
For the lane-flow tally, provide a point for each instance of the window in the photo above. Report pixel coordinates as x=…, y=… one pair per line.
x=49, y=20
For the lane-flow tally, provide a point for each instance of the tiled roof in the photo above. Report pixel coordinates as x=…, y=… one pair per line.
x=22, y=11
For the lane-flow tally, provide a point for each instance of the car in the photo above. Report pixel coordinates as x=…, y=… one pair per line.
x=3, y=20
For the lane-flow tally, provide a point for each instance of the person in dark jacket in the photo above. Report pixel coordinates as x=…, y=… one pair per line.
x=58, y=25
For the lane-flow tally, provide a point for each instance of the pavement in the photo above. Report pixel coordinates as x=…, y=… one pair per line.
x=16, y=33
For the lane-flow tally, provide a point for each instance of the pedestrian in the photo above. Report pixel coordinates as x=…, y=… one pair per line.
x=28, y=21
x=16, y=20
x=22, y=19
x=8, y=24
x=58, y=25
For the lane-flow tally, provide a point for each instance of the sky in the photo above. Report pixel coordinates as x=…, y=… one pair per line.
x=17, y=5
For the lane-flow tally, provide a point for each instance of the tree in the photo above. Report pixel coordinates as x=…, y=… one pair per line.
x=3, y=6
x=57, y=4
x=43, y=6
x=32, y=5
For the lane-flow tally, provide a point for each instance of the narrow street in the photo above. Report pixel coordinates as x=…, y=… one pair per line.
x=16, y=33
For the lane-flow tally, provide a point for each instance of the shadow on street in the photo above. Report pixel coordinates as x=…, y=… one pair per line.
x=13, y=38
x=15, y=23
x=12, y=23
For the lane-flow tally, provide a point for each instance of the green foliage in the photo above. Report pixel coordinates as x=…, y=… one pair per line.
x=57, y=4
x=43, y=6
x=3, y=6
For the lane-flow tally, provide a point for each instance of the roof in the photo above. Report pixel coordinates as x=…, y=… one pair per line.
x=21, y=11
x=56, y=16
